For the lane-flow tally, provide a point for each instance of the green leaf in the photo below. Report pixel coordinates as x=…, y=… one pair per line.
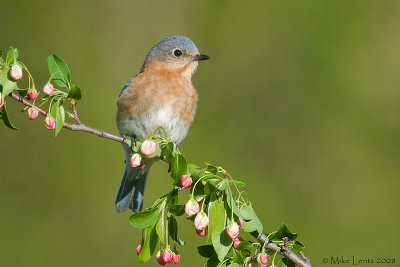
x=247, y=213
x=254, y=223
x=232, y=204
x=217, y=216
x=170, y=151
x=4, y=118
x=282, y=232
x=234, y=265
x=178, y=168
x=149, y=246
x=59, y=117
x=297, y=246
x=239, y=182
x=193, y=168
x=285, y=262
x=177, y=210
x=144, y=219
x=59, y=71
x=206, y=251
x=245, y=246
x=12, y=55
x=75, y=93
x=212, y=262
x=237, y=257
x=8, y=85
x=173, y=231
x=161, y=227
x=1, y=52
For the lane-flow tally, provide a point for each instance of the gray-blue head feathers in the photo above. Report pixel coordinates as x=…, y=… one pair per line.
x=176, y=51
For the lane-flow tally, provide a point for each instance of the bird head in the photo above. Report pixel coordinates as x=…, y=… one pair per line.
x=175, y=53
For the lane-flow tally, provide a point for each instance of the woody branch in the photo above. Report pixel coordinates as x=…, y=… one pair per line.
x=81, y=127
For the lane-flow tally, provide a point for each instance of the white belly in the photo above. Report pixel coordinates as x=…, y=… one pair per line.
x=143, y=126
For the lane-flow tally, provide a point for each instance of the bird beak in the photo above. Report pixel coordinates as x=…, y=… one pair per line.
x=199, y=57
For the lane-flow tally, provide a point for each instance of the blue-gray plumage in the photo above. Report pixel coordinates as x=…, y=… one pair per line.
x=162, y=94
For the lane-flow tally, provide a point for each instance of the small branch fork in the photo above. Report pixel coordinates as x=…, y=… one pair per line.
x=81, y=127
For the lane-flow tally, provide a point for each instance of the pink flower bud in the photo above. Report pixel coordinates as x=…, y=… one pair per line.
x=262, y=259
x=201, y=221
x=138, y=249
x=236, y=242
x=136, y=160
x=48, y=89
x=201, y=232
x=240, y=222
x=232, y=230
x=50, y=123
x=148, y=147
x=167, y=256
x=198, y=199
x=33, y=113
x=176, y=257
x=32, y=94
x=1, y=101
x=160, y=259
x=16, y=72
x=142, y=166
x=186, y=181
x=192, y=207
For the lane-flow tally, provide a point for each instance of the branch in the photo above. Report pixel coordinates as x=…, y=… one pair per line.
x=284, y=250
x=81, y=127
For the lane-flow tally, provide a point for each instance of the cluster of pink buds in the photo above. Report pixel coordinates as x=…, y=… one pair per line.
x=48, y=89
x=168, y=256
x=1, y=101
x=262, y=259
x=50, y=123
x=16, y=72
x=186, y=181
x=148, y=147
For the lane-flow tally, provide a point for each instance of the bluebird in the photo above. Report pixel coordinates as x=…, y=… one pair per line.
x=162, y=94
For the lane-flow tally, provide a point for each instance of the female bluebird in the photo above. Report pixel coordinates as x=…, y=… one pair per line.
x=162, y=94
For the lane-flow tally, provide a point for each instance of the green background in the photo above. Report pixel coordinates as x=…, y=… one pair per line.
x=301, y=98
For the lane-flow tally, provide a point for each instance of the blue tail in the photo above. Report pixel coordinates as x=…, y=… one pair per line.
x=131, y=191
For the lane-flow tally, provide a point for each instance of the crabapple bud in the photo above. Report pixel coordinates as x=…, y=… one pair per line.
x=33, y=113
x=236, y=242
x=138, y=249
x=148, y=147
x=232, y=230
x=201, y=232
x=186, y=181
x=50, y=123
x=240, y=222
x=201, y=221
x=192, y=207
x=136, y=160
x=48, y=89
x=32, y=94
x=262, y=259
x=16, y=72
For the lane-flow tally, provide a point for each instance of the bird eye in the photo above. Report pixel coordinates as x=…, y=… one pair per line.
x=177, y=52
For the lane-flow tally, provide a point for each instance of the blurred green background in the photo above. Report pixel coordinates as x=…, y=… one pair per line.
x=301, y=98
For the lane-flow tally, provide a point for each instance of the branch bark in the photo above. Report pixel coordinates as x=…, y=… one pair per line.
x=81, y=127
